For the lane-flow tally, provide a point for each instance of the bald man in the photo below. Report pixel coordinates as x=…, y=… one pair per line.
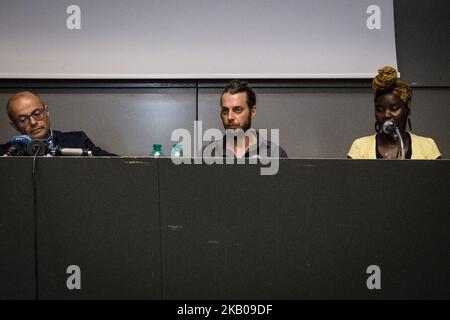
x=31, y=117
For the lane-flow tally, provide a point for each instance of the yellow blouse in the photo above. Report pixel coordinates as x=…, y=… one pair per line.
x=422, y=148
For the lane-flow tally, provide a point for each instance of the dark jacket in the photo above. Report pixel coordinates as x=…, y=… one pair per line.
x=74, y=139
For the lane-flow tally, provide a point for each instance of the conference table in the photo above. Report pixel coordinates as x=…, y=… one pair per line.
x=146, y=228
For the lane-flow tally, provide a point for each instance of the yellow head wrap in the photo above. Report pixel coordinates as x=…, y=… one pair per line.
x=386, y=81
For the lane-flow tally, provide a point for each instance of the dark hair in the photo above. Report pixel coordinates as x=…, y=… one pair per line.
x=237, y=86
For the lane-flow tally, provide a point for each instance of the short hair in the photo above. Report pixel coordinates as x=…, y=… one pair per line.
x=387, y=81
x=237, y=86
x=17, y=96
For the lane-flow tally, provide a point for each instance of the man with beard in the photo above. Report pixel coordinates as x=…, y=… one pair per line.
x=238, y=108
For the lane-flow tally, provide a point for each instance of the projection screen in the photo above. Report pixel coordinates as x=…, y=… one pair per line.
x=195, y=39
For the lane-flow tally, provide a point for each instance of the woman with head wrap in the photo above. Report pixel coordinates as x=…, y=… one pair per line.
x=392, y=110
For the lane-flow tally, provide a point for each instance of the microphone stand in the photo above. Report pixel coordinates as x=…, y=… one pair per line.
x=401, y=144
x=390, y=127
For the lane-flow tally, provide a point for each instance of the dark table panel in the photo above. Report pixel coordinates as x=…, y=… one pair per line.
x=309, y=232
x=17, y=232
x=141, y=228
x=101, y=215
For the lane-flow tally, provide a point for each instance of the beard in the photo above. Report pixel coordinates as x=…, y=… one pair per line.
x=244, y=126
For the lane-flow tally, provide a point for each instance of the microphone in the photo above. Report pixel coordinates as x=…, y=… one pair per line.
x=391, y=128
x=36, y=147
x=77, y=152
x=24, y=145
x=18, y=145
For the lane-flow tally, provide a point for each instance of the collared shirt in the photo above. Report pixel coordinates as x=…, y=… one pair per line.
x=258, y=147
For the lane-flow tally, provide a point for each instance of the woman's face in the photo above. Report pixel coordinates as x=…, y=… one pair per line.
x=390, y=107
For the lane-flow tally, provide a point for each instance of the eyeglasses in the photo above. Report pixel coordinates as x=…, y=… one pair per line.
x=37, y=114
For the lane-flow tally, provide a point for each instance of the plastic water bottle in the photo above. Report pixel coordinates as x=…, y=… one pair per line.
x=157, y=152
x=177, y=151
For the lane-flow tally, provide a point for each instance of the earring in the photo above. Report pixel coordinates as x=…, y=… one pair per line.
x=409, y=124
x=377, y=127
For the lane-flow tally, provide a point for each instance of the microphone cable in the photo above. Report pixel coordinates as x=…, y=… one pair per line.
x=36, y=265
x=390, y=127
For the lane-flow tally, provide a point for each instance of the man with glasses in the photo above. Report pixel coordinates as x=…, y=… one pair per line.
x=30, y=116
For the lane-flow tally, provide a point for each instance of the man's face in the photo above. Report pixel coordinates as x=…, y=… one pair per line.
x=390, y=107
x=236, y=114
x=30, y=117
